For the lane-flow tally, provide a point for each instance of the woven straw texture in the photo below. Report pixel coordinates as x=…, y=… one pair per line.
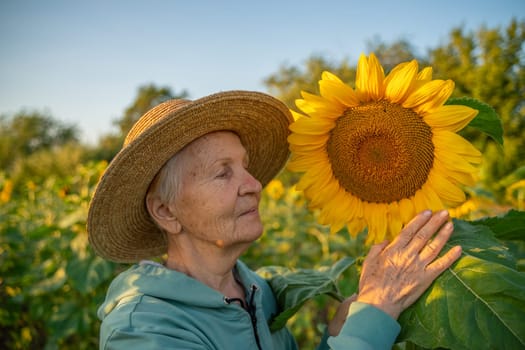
x=119, y=226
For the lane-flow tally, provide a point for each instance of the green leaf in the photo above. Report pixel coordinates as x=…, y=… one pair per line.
x=479, y=241
x=75, y=217
x=87, y=274
x=64, y=322
x=509, y=227
x=487, y=119
x=516, y=175
x=50, y=284
x=476, y=304
x=293, y=288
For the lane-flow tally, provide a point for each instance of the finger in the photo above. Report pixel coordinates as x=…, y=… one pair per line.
x=406, y=234
x=444, y=262
x=376, y=249
x=431, y=250
x=422, y=236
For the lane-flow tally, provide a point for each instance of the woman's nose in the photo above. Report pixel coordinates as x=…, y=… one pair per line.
x=250, y=184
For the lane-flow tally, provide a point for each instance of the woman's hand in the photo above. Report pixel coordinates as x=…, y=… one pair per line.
x=335, y=325
x=395, y=275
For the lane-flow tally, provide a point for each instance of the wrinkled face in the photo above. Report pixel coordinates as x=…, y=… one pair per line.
x=218, y=198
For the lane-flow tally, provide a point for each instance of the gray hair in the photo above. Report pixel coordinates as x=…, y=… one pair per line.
x=166, y=184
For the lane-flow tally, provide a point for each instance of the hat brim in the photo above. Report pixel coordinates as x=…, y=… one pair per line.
x=119, y=226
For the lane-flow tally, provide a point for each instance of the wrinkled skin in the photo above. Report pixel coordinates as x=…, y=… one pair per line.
x=215, y=217
x=396, y=274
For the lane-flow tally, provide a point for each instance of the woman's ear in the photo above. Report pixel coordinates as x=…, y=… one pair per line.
x=162, y=214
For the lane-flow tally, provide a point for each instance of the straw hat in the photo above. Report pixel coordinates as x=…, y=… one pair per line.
x=119, y=226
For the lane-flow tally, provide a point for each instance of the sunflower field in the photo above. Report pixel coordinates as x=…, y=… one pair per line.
x=51, y=282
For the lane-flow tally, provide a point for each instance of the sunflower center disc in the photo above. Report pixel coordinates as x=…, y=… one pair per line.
x=381, y=152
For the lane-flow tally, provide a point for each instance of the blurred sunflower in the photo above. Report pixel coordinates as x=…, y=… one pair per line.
x=376, y=155
x=5, y=193
x=275, y=189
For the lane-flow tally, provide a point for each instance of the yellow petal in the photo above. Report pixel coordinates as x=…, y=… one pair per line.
x=296, y=115
x=300, y=139
x=433, y=201
x=336, y=226
x=451, y=117
x=449, y=141
x=361, y=76
x=420, y=202
x=369, y=78
x=345, y=203
x=449, y=192
x=323, y=192
x=425, y=74
x=312, y=126
x=324, y=177
x=394, y=220
x=439, y=99
x=399, y=81
x=429, y=96
x=332, y=88
x=422, y=78
x=453, y=161
x=355, y=205
x=359, y=207
x=356, y=226
x=458, y=177
x=303, y=163
x=328, y=76
x=338, y=211
x=308, y=178
x=307, y=149
x=316, y=106
x=376, y=219
x=406, y=210
x=352, y=206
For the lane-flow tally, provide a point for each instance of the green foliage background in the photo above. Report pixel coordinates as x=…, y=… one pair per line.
x=51, y=283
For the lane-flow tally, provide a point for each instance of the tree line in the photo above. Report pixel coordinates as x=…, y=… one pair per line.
x=486, y=64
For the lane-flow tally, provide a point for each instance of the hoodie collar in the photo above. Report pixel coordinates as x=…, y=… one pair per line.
x=152, y=279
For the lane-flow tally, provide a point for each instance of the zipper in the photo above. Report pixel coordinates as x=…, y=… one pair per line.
x=251, y=309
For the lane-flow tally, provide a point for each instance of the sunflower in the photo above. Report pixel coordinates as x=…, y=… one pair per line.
x=376, y=155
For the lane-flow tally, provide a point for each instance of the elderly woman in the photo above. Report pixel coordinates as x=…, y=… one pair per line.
x=187, y=185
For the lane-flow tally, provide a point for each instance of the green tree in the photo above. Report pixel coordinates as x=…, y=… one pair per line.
x=147, y=97
x=32, y=146
x=28, y=132
x=488, y=65
x=391, y=54
x=288, y=82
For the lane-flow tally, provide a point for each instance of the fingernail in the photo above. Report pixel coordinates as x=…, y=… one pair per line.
x=427, y=213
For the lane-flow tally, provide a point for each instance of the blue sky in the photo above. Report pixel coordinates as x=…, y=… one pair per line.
x=82, y=61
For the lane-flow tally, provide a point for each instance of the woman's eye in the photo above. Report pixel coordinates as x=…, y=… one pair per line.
x=223, y=174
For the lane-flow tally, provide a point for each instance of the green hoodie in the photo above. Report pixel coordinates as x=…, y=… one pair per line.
x=152, y=307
